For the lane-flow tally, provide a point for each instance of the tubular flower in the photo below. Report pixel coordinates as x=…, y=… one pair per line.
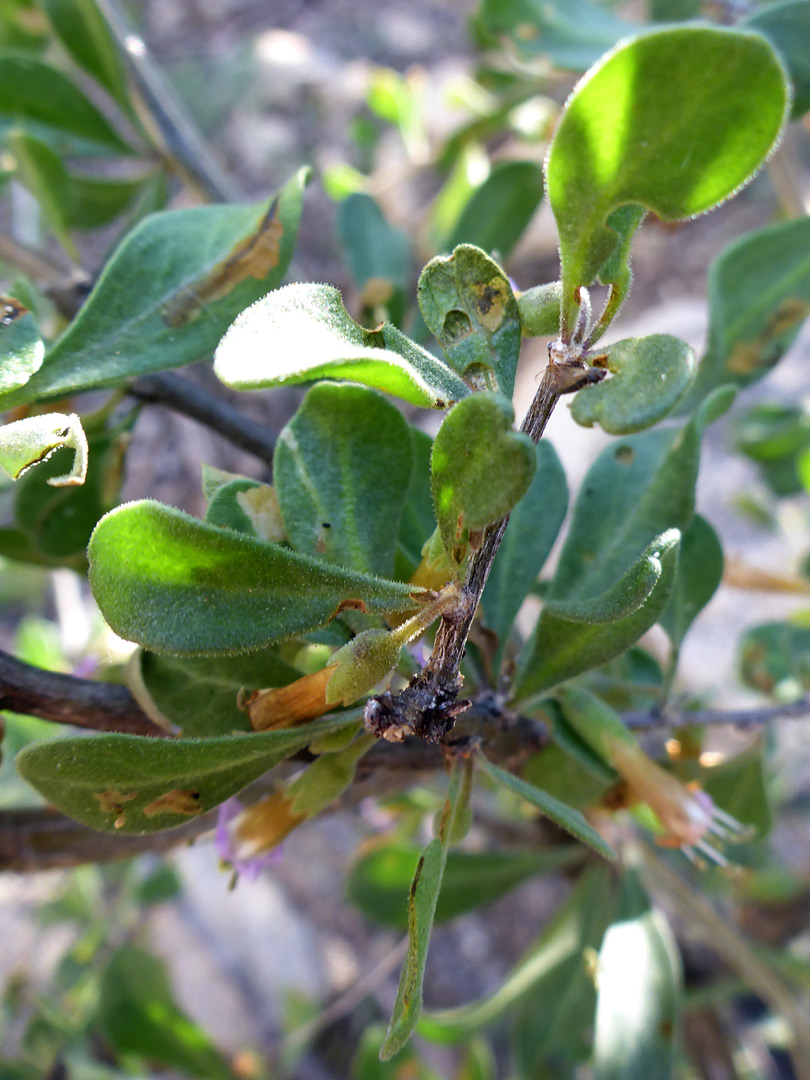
x=689, y=817
x=248, y=838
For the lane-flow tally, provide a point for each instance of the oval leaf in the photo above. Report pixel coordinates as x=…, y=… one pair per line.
x=787, y=26
x=480, y=468
x=341, y=471
x=303, y=332
x=674, y=121
x=169, y=292
x=177, y=585
x=499, y=211
x=650, y=376
x=468, y=304
x=130, y=784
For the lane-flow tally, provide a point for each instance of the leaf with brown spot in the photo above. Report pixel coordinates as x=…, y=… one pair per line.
x=110, y=801
x=255, y=257
x=175, y=802
x=468, y=304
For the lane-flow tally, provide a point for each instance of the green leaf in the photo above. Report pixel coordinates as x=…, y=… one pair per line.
x=759, y=296
x=327, y=777
x=499, y=211
x=378, y=881
x=787, y=27
x=577, y=635
x=539, y=310
x=26, y=443
x=573, y=34
x=130, y=784
x=200, y=695
x=225, y=510
x=341, y=469
x=576, y=927
x=84, y=33
x=650, y=376
x=418, y=520
x=674, y=121
x=635, y=490
x=639, y=983
x=422, y=901
x=775, y=660
x=739, y=786
x=468, y=304
x=41, y=170
x=42, y=102
x=21, y=347
x=59, y=520
x=168, y=293
x=177, y=585
x=303, y=332
x=559, y=812
x=529, y=537
x=700, y=571
x=137, y=1014
x=378, y=255
x=480, y=468
x=96, y=201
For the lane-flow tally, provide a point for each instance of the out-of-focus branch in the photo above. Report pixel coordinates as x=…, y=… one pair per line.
x=741, y=718
x=67, y=699
x=183, y=142
x=184, y=397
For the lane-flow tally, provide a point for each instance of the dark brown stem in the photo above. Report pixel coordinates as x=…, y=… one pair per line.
x=428, y=706
x=66, y=699
x=184, y=397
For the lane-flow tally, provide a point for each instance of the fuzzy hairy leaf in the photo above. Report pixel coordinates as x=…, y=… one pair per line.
x=480, y=468
x=177, y=585
x=169, y=291
x=303, y=332
x=341, y=471
x=131, y=784
x=468, y=304
x=21, y=347
x=650, y=376
x=577, y=635
x=674, y=121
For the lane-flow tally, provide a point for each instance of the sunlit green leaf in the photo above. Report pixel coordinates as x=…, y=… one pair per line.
x=176, y=585
x=21, y=347
x=674, y=121
x=639, y=980
x=138, y=1014
x=303, y=332
x=480, y=468
x=25, y=443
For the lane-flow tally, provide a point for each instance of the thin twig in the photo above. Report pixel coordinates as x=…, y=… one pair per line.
x=184, y=143
x=742, y=718
x=184, y=397
x=67, y=699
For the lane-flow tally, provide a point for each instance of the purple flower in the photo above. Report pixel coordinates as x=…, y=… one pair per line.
x=234, y=852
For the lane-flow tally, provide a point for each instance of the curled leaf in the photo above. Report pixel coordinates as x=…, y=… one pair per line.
x=25, y=443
